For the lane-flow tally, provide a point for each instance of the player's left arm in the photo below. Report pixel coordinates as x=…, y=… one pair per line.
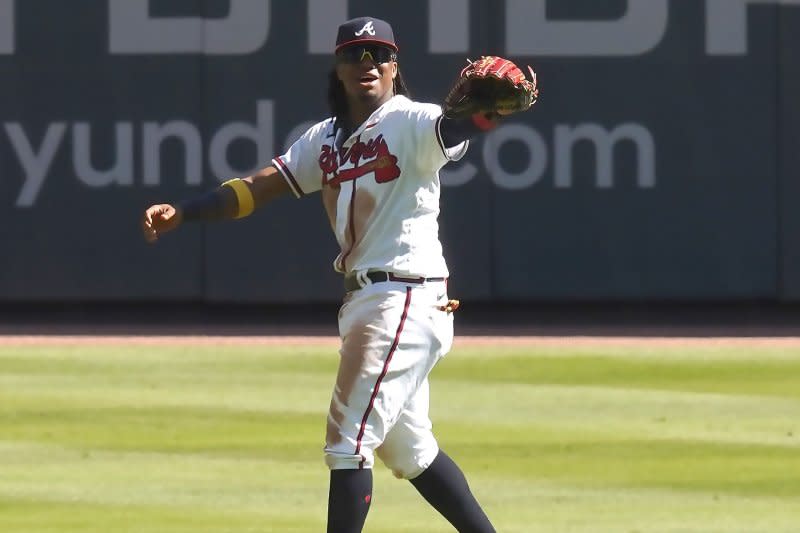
x=455, y=131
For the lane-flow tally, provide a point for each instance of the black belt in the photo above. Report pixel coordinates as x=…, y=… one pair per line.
x=351, y=281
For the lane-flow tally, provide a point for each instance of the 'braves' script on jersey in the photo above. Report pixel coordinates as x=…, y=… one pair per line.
x=372, y=156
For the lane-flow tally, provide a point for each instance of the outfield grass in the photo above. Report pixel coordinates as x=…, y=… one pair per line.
x=169, y=439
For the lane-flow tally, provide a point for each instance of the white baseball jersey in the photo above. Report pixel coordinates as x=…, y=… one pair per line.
x=380, y=186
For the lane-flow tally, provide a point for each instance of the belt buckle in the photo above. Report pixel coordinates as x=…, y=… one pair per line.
x=362, y=278
x=357, y=280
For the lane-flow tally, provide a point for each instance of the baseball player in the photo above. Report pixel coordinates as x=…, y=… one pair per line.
x=375, y=163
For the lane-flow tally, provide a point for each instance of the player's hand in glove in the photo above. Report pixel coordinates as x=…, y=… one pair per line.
x=491, y=86
x=158, y=219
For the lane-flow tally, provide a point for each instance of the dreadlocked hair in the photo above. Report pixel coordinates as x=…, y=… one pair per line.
x=337, y=98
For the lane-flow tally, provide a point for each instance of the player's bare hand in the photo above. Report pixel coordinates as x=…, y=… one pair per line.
x=158, y=219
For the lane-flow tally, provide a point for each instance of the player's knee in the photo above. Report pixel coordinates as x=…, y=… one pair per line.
x=407, y=463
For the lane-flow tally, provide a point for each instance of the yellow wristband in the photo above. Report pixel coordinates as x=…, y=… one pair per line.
x=243, y=196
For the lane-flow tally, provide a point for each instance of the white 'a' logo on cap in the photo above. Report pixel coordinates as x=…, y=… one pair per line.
x=367, y=28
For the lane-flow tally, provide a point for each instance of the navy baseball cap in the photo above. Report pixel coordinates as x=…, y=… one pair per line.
x=365, y=30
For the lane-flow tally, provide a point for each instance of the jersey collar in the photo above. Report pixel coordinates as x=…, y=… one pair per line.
x=376, y=116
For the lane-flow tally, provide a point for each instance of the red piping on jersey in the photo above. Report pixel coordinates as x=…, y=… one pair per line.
x=352, y=226
x=383, y=375
x=288, y=173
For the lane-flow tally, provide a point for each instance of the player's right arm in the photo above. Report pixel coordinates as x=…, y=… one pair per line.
x=236, y=198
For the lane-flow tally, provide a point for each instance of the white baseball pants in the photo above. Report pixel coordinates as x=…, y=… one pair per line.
x=393, y=334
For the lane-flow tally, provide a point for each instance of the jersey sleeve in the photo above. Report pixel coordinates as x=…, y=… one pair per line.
x=299, y=165
x=430, y=145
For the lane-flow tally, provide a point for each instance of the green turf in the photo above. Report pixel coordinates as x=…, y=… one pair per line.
x=228, y=439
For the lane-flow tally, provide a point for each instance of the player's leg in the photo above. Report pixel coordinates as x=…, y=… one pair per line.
x=375, y=378
x=349, y=497
x=411, y=452
x=444, y=486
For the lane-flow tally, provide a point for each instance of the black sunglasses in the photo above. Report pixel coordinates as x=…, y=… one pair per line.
x=357, y=54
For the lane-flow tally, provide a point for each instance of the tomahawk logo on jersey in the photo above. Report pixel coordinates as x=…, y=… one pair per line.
x=357, y=176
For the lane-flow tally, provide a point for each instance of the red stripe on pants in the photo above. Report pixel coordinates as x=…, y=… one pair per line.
x=383, y=375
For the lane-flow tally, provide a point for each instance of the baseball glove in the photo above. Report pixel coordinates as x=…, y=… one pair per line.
x=491, y=85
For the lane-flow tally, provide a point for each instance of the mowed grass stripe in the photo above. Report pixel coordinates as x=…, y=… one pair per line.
x=595, y=460
x=768, y=371
x=34, y=516
x=198, y=360
x=169, y=429
x=632, y=413
x=676, y=350
x=768, y=377
x=147, y=438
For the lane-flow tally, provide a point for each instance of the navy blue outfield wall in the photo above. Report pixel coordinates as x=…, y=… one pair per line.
x=660, y=164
